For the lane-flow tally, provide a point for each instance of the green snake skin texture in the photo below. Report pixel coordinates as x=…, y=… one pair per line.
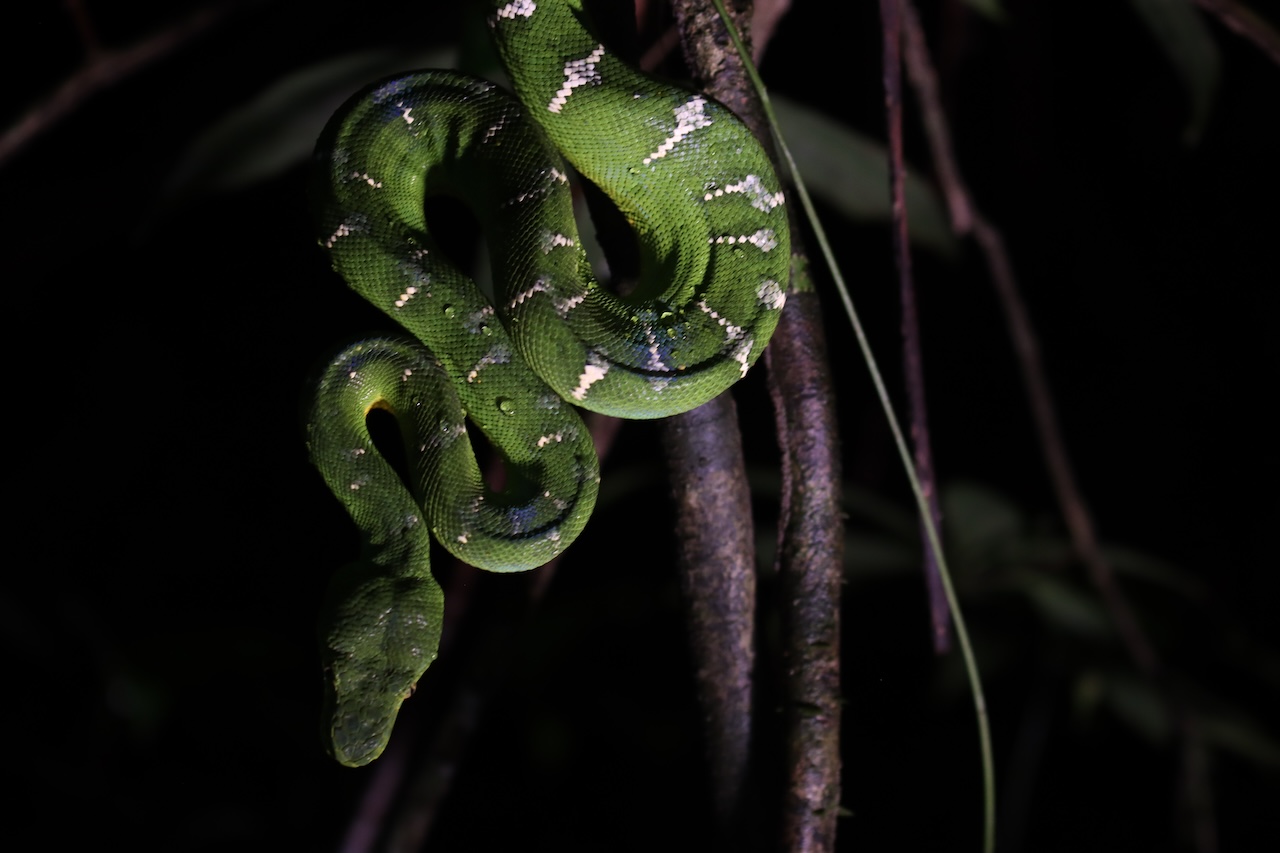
x=707, y=212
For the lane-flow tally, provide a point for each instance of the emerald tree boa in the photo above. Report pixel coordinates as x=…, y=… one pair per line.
x=707, y=212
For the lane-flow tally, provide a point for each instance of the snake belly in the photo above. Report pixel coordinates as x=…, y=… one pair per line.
x=706, y=210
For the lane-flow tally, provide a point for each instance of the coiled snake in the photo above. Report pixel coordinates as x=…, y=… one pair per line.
x=706, y=209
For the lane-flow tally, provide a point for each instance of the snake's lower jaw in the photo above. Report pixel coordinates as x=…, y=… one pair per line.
x=355, y=740
x=358, y=723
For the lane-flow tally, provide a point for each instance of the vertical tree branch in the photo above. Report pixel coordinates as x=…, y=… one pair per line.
x=1075, y=510
x=810, y=531
x=716, y=542
x=912, y=359
x=715, y=535
x=966, y=218
x=84, y=27
x=811, y=538
x=810, y=561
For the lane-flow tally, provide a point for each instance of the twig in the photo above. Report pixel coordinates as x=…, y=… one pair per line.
x=366, y=824
x=965, y=218
x=84, y=26
x=1246, y=23
x=912, y=358
x=104, y=68
x=765, y=20
x=1075, y=510
x=1197, y=822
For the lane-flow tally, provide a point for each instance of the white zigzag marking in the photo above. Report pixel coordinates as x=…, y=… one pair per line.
x=577, y=72
x=771, y=295
x=591, y=374
x=344, y=229
x=655, y=359
x=539, y=286
x=516, y=9
x=555, y=241
x=742, y=354
x=409, y=293
x=562, y=306
x=764, y=239
x=555, y=174
x=751, y=185
x=689, y=117
x=494, y=129
x=731, y=331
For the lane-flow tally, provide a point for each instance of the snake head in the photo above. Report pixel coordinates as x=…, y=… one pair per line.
x=378, y=635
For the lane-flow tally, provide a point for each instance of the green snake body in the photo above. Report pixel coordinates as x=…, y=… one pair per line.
x=707, y=212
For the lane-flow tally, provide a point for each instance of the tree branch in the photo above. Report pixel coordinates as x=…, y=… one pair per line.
x=912, y=358
x=1245, y=23
x=811, y=551
x=716, y=557
x=1075, y=510
x=811, y=534
x=707, y=471
x=103, y=69
x=967, y=219
x=810, y=529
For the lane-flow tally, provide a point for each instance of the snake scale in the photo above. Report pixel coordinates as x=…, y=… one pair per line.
x=707, y=212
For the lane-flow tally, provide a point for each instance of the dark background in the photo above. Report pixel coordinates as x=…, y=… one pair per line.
x=170, y=542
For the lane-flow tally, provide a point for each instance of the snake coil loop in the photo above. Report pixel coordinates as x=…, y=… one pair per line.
x=708, y=214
